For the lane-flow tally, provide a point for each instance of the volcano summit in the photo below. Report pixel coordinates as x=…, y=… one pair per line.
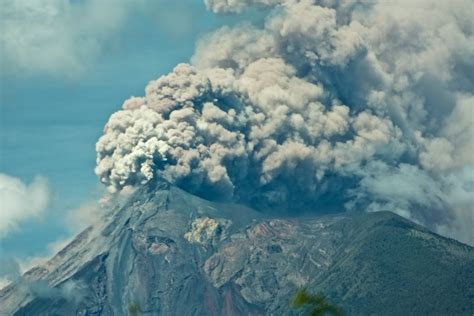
x=171, y=253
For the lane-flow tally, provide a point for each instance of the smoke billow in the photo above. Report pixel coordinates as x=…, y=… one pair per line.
x=331, y=105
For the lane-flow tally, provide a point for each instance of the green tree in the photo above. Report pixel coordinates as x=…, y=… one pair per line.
x=315, y=305
x=133, y=309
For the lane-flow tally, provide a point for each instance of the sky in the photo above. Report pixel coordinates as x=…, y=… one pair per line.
x=53, y=109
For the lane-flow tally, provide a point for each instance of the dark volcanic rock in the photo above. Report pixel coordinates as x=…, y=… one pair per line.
x=167, y=252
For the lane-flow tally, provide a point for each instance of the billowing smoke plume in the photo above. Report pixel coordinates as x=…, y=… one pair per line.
x=331, y=105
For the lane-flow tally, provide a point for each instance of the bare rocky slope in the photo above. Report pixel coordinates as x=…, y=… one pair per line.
x=166, y=252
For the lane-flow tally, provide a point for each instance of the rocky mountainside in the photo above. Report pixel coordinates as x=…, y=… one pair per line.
x=166, y=252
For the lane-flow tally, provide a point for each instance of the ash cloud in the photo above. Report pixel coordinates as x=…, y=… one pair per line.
x=331, y=105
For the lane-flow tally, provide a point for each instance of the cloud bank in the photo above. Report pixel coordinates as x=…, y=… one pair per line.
x=331, y=105
x=20, y=201
x=57, y=36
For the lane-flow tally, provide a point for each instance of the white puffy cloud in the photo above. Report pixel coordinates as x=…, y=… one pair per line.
x=330, y=104
x=20, y=201
x=57, y=36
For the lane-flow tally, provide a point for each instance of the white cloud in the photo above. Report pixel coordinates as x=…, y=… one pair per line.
x=20, y=201
x=57, y=36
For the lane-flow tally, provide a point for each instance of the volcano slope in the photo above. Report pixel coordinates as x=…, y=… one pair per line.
x=166, y=252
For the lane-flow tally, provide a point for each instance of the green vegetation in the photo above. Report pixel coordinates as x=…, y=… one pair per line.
x=315, y=305
x=133, y=309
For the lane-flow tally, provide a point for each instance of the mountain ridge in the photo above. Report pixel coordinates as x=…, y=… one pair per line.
x=172, y=253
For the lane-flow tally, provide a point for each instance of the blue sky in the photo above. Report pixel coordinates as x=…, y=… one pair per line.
x=50, y=120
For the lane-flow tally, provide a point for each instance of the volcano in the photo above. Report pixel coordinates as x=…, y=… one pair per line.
x=167, y=252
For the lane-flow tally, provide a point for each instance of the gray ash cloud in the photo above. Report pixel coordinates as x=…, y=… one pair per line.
x=330, y=105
